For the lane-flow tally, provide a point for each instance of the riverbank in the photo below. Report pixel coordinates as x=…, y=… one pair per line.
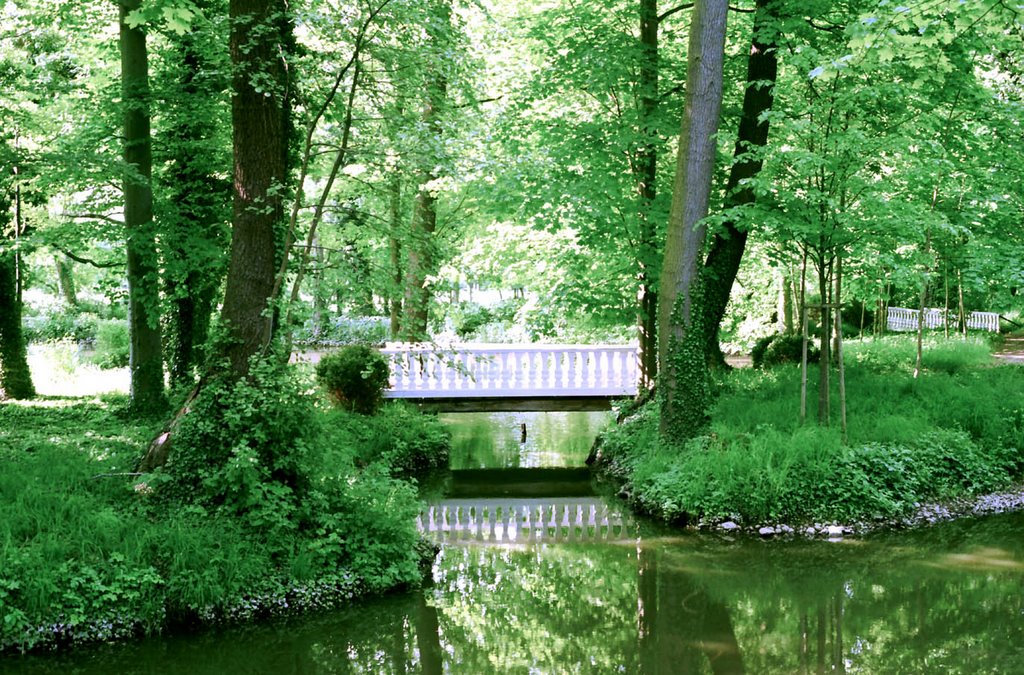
x=943, y=439
x=922, y=515
x=92, y=551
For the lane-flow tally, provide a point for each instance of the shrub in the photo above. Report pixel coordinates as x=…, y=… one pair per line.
x=774, y=350
x=399, y=436
x=356, y=377
x=112, y=344
x=469, y=317
x=63, y=325
x=346, y=330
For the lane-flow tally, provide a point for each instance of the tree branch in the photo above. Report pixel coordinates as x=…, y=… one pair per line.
x=89, y=261
x=675, y=10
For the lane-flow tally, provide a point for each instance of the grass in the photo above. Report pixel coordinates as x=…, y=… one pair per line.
x=956, y=430
x=88, y=553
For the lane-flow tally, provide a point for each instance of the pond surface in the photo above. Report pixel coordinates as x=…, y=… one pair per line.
x=530, y=582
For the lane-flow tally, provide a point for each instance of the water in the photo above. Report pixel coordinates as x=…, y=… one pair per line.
x=634, y=598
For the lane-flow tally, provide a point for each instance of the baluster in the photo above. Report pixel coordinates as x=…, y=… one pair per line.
x=586, y=365
x=415, y=369
x=398, y=371
x=505, y=524
x=557, y=358
x=506, y=372
x=493, y=371
x=633, y=381
x=429, y=370
x=491, y=517
x=516, y=381
x=472, y=376
x=572, y=362
x=440, y=372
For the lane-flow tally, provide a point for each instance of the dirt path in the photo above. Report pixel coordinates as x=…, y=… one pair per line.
x=1012, y=349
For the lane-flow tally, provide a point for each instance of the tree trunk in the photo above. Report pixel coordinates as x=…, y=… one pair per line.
x=395, y=254
x=194, y=217
x=259, y=143
x=804, y=334
x=15, y=376
x=918, y=363
x=421, y=263
x=962, y=318
x=824, y=335
x=146, y=351
x=428, y=637
x=66, y=280
x=684, y=387
x=319, y=303
x=727, y=247
x=646, y=176
x=839, y=345
x=258, y=139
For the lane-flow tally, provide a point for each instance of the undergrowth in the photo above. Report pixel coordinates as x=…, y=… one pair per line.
x=956, y=430
x=272, y=503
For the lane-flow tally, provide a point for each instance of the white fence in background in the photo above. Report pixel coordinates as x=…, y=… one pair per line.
x=501, y=370
x=901, y=319
x=524, y=520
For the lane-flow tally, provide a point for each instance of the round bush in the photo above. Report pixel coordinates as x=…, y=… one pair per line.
x=112, y=344
x=355, y=376
x=774, y=350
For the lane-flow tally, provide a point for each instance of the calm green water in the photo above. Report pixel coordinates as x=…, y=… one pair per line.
x=494, y=440
x=639, y=600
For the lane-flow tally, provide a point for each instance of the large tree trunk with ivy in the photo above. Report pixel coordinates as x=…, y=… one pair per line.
x=15, y=377
x=258, y=128
x=195, y=215
x=258, y=139
x=145, y=352
x=684, y=388
x=728, y=246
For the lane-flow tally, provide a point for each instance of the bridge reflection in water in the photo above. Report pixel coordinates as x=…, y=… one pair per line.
x=525, y=520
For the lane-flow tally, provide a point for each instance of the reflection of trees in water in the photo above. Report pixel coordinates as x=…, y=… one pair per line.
x=681, y=626
x=492, y=440
x=947, y=600
x=943, y=600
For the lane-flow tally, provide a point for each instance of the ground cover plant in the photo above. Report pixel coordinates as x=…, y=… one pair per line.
x=283, y=505
x=957, y=430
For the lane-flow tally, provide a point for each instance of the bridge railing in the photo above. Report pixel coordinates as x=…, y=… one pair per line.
x=474, y=369
x=524, y=520
x=903, y=319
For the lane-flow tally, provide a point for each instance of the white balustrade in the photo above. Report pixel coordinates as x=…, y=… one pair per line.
x=903, y=319
x=493, y=370
x=523, y=520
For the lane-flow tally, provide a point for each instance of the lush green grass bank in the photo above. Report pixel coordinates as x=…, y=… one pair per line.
x=955, y=431
x=90, y=553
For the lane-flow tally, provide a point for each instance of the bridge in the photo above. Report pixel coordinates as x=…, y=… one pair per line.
x=518, y=521
x=476, y=377
x=904, y=319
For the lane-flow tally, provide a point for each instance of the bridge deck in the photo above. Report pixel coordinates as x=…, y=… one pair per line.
x=492, y=377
